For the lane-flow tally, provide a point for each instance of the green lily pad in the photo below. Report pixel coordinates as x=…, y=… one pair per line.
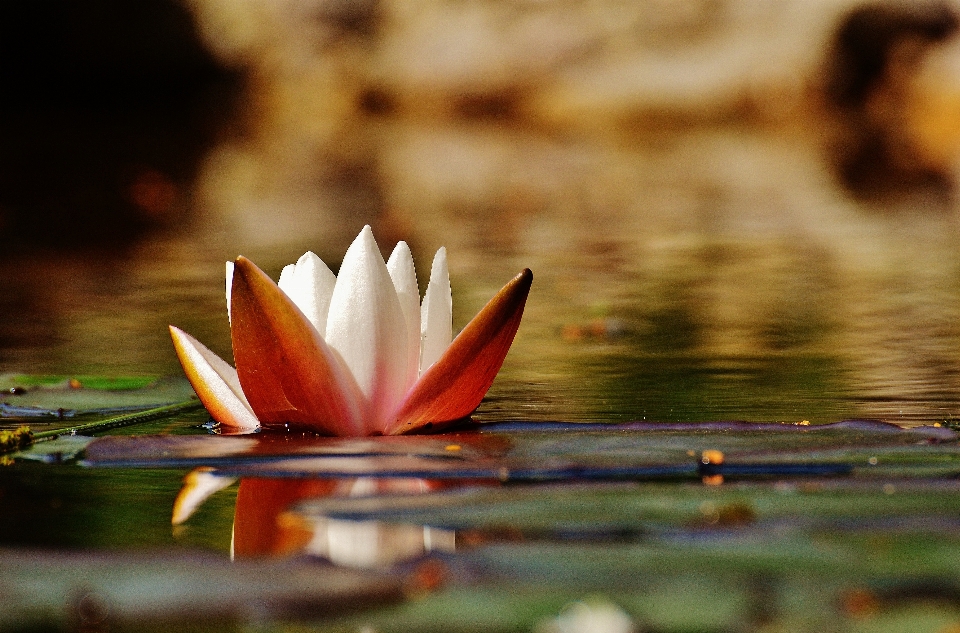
x=49, y=400
x=10, y=382
x=63, y=448
x=136, y=590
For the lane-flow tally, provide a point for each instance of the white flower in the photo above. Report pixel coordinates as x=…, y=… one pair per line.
x=354, y=354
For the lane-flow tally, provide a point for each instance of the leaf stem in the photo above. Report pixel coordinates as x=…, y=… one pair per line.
x=26, y=437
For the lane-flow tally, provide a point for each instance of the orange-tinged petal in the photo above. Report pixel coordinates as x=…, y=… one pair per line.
x=215, y=382
x=454, y=386
x=289, y=375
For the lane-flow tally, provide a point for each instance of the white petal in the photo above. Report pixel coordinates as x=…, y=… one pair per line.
x=404, y=276
x=366, y=326
x=229, y=286
x=436, y=313
x=218, y=379
x=286, y=278
x=309, y=283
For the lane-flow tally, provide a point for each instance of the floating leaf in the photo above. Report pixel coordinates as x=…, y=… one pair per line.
x=217, y=450
x=10, y=381
x=687, y=557
x=608, y=512
x=568, y=452
x=63, y=448
x=39, y=398
x=137, y=589
x=674, y=554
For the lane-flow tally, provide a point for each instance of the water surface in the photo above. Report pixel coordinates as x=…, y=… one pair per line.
x=712, y=274
x=703, y=274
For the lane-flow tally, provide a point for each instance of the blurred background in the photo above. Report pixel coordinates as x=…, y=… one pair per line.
x=734, y=209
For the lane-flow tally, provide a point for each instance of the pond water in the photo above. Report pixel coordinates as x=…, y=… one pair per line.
x=702, y=274
x=712, y=274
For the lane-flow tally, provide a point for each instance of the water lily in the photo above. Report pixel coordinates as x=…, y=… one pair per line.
x=353, y=354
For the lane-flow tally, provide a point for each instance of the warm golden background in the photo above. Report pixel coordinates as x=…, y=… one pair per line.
x=733, y=208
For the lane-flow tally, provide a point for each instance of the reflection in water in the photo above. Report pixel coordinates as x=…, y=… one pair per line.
x=375, y=544
x=198, y=486
x=263, y=526
x=595, y=615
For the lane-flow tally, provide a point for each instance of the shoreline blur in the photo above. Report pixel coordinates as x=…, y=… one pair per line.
x=668, y=170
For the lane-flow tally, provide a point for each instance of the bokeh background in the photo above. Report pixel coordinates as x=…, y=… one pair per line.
x=734, y=209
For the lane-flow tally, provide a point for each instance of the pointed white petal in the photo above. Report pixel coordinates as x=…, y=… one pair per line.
x=310, y=286
x=229, y=286
x=436, y=313
x=366, y=326
x=215, y=382
x=286, y=278
x=404, y=276
x=198, y=486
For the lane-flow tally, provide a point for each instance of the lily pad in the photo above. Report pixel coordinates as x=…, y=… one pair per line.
x=701, y=585
x=211, y=450
x=41, y=588
x=817, y=555
x=10, y=381
x=39, y=399
x=776, y=532
x=562, y=452
x=61, y=449
x=667, y=511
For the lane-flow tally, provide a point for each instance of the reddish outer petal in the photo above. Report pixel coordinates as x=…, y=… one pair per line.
x=226, y=413
x=287, y=372
x=454, y=386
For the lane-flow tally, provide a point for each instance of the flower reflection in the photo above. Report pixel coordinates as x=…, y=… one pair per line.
x=198, y=486
x=354, y=354
x=594, y=615
x=265, y=525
